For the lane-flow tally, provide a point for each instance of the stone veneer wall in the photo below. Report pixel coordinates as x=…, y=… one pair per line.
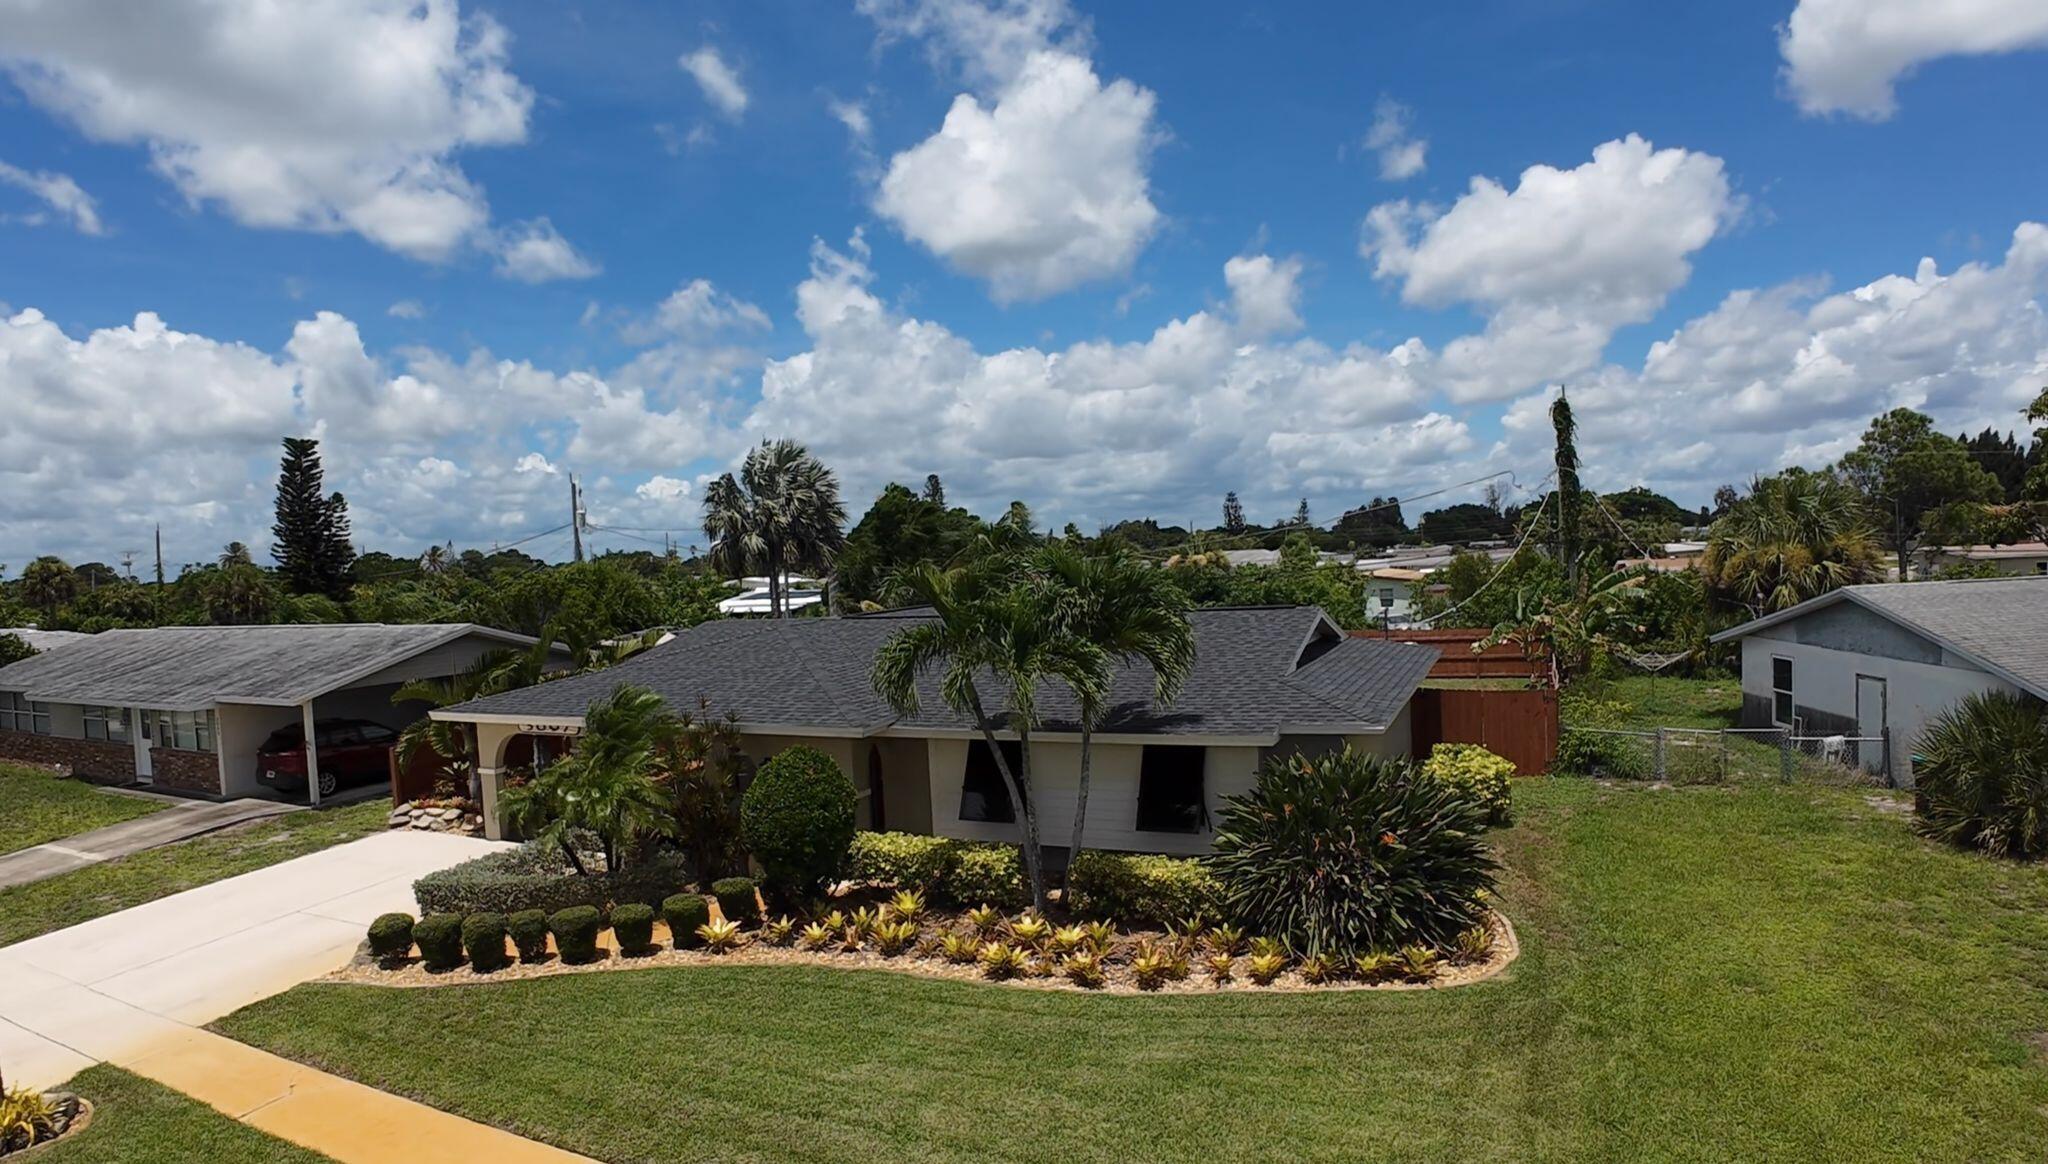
x=98, y=761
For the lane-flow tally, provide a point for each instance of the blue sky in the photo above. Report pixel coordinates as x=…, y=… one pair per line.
x=1143, y=261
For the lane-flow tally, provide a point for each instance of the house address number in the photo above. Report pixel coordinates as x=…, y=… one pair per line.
x=551, y=729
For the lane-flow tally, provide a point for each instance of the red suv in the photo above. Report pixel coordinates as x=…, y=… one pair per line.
x=351, y=751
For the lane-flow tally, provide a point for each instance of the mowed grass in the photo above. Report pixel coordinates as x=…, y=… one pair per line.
x=1670, y=701
x=1748, y=973
x=96, y=890
x=135, y=1120
x=36, y=806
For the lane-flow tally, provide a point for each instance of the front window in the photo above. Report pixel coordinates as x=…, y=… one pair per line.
x=19, y=713
x=107, y=723
x=983, y=795
x=1170, y=791
x=1781, y=690
x=191, y=730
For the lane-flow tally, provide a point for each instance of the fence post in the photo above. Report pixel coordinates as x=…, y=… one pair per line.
x=1785, y=755
x=1661, y=774
x=1891, y=775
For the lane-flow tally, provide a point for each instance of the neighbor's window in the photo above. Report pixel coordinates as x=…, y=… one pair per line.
x=1781, y=690
x=1170, y=793
x=18, y=713
x=191, y=730
x=107, y=723
x=983, y=795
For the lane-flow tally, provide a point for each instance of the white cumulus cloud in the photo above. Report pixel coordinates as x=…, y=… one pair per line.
x=535, y=252
x=1847, y=56
x=718, y=79
x=1402, y=155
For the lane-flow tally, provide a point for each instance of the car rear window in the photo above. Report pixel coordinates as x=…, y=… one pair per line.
x=285, y=739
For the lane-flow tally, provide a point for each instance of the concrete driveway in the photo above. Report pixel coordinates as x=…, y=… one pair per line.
x=111, y=988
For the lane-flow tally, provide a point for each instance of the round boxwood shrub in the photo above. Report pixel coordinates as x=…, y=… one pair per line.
x=684, y=913
x=633, y=926
x=439, y=937
x=483, y=939
x=1981, y=781
x=797, y=819
x=391, y=938
x=1348, y=853
x=529, y=930
x=575, y=930
x=736, y=899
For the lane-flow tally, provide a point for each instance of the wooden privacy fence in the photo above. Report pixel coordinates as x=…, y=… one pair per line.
x=412, y=781
x=1519, y=725
x=1458, y=660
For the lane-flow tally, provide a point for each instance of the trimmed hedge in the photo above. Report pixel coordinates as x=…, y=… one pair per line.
x=797, y=819
x=1480, y=775
x=391, y=938
x=904, y=860
x=987, y=875
x=439, y=937
x=483, y=939
x=633, y=926
x=575, y=931
x=684, y=913
x=1142, y=887
x=736, y=899
x=539, y=877
x=529, y=930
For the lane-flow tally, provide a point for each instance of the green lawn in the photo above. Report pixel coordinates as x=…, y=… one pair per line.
x=1760, y=972
x=1668, y=701
x=36, y=806
x=65, y=900
x=135, y=1120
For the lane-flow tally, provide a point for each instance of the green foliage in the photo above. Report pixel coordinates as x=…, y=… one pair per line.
x=1349, y=852
x=1474, y=945
x=781, y=514
x=26, y=1119
x=1085, y=969
x=736, y=899
x=909, y=860
x=605, y=786
x=1982, y=776
x=391, y=938
x=1264, y=968
x=1001, y=960
x=575, y=931
x=1793, y=537
x=1906, y=470
x=684, y=912
x=797, y=819
x=900, y=529
x=633, y=926
x=538, y=877
x=1481, y=592
x=1141, y=887
x=721, y=937
x=313, y=552
x=1475, y=772
x=989, y=875
x=439, y=937
x=700, y=756
x=483, y=939
x=587, y=600
x=13, y=648
x=1151, y=966
x=529, y=930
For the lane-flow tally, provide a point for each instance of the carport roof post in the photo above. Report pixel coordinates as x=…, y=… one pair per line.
x=312, y=754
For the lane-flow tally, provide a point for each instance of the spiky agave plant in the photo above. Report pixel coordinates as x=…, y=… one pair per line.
x=1982, y=778
x=1349, y=852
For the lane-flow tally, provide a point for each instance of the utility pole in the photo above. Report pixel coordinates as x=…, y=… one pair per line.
x=576, y=515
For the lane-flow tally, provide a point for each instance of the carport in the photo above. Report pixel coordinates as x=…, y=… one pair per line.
x=188, y=708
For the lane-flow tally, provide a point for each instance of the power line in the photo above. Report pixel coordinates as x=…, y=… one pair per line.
x=1528, y=531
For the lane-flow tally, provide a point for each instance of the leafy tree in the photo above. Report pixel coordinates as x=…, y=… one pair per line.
x=1462, y=523
x=935, y=490
x=13, y=649
x=1646, y=505
x=900, y=529
x=312, y=530
x=1795, y=536
x=605, y=787
x=1905, y=469
x=781, y=513
x=1376, y=523
x=492, y=672
x=236, y=594
x=1146, y=534
x=2002, y=457
x=583, y=601
x=1479, y=592
x=1233, y=514
x=48, y=583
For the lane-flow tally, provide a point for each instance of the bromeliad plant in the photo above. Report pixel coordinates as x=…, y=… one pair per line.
x=1001, y=960
x=721, y=937
x=892, y=938
x=1349, y=852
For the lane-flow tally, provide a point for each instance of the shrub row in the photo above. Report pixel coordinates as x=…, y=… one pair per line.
x=1142, y=887
x=961, y=872
x=538, y=877
x=445, y=940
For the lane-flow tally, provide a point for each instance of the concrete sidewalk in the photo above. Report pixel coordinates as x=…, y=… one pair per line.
x=118, y=985
x=186, y=820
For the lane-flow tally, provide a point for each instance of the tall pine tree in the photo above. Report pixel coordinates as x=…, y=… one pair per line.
x=1566, y=430
x=312, y=531
x=1233, y=514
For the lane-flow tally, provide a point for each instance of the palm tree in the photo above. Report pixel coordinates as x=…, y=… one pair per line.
x=782, y=512
x=605, y=786
x=234, y=554
x=1132, y=613
x=1982, y=775
x=48, y=582
x=1795, y=536
x=988, y=626
x=435, y=560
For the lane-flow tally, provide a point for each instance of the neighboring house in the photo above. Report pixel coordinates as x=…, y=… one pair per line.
x=186, y=708
x=2017, y=558
x=42, y=640
x=1266, y=680
x=1864, y=660
x=753, y=598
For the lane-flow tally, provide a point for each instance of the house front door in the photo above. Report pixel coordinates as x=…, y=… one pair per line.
x=141, y=727
x=1872, y=717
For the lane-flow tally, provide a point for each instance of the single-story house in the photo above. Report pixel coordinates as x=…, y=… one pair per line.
x=2018, y=558
x=1265, y=680
x=1888, y=657
x=753, y=597
x=187, y=708
x=43, y=640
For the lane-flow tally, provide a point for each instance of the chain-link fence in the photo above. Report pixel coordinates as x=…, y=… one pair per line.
x=1676, y=755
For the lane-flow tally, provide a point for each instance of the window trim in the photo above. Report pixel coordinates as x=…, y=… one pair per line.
x=1201, y=824
x=1791, y=677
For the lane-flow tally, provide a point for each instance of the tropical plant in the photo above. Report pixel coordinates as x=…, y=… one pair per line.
x=779, y=931
x=491, y=673
x=1084, y=968
x=1317, y=969
x=894, y=937
x=1000, y=960
x=782, y=513
x=1101, y=934
x=1474, y=945
x=863, y=921
x=1264, y=968
x=701, y=758
x=1220, y=966
x=797, y=820
x=1066, y=939
x=27, y=1118
x=815, y=936
x=908, y=905
x=1377, y=966
x=48, y=583
x=1981, y=778
x=1419, y=963
x=1795, y=536
x=985, y=622
x=960, y=948
x=1347, y=852
x=1029, y=929
x=721, y=937
x=1151, y=966
x=984, y=919
x=1227, y=939
x=605, y=786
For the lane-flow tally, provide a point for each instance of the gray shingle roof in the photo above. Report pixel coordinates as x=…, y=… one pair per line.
x=814, y=672
x=2000, y=623
x=192, y=668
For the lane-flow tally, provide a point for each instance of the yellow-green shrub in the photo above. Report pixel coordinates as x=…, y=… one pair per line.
x=1481, y=775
